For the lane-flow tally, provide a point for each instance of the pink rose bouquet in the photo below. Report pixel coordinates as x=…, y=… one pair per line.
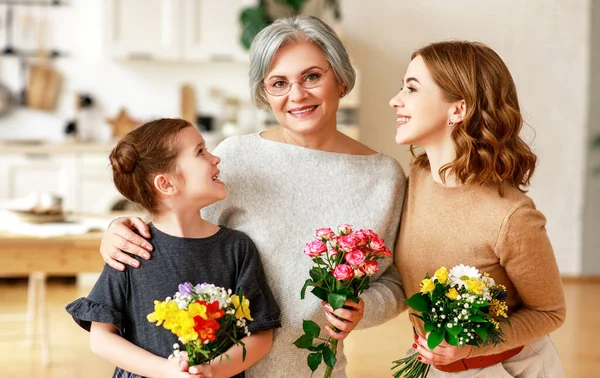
x=344, y=263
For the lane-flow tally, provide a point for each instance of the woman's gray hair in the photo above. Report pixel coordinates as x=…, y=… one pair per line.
x=296, y=29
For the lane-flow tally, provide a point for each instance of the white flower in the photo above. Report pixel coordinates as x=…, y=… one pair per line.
x=461, y=273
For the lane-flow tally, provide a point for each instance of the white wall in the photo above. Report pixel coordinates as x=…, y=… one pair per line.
x=546, y=45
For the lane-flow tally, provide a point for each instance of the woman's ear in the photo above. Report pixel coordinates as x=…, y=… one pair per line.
x=457, y=112
x=165, y=185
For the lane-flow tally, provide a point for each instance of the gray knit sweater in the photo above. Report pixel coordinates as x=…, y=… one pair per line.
x=279, y=194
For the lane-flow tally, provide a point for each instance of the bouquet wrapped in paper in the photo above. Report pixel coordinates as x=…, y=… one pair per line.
x=460, y=306
x=206, y=318
x=343, y=264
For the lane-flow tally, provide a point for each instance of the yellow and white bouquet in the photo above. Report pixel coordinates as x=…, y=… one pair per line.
x=460, y=306
x=206, y=318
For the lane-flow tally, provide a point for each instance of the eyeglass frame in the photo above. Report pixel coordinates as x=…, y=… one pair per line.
x=291, y=83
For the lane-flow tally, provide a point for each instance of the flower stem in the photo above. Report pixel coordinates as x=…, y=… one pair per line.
x=333, y=346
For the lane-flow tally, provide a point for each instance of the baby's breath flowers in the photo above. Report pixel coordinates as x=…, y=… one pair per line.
x=460, y=306
x=201, y=314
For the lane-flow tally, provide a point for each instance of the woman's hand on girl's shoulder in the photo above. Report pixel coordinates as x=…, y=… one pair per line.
x=120, y=238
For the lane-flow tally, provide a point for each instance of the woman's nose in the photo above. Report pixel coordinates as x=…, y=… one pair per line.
x=396, y=101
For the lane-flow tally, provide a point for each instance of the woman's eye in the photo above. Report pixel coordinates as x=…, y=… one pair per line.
x=279, y=84
x=411, y=89
x=201, y=151
x=313, y=76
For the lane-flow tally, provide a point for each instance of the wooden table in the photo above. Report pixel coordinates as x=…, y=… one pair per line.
x=39, y=257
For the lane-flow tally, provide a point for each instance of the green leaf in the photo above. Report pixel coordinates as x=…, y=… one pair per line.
x=314, y=360
x=329, y=357
x=243, y=353
x=319, y=292
x=455, y=330
x=354, y=298
x=307, y=283
x=435, y=338
x=429, y=327
x=316, y=274
x=481, y=332
x=311, y=328
x=336, y=300
x=451, y=339
x=319, y=260
x=418, y=302
x=304, y=341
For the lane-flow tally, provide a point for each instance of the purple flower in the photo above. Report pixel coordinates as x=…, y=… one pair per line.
x=185, y=289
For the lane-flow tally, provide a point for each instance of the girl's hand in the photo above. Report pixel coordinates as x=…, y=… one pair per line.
x=120, y=238
x=204, y=371
x=177, y=367
x=443, y=354
x=345, y=319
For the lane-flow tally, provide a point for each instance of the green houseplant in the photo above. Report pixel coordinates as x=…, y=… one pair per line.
x=253, y=19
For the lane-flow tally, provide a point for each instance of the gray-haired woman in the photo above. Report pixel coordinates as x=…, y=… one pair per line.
x=287, y=182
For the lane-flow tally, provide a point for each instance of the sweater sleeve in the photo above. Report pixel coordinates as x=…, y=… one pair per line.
x=527, y=256
x=384, y=299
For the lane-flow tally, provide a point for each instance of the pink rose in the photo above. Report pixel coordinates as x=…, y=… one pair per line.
x=358, y=272
x=356, y=258
x=370, y=267
x=360, y=237
x=386, y=252
x=315, y=248
x=346, y=243
x=324, y=234
x=345, y=229
x=343, y=272
x=377, y=244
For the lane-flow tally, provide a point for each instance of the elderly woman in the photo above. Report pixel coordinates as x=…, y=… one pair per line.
x=287, y=182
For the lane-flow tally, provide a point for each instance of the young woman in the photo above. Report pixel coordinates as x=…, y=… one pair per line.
x=287, y=182
x=466, y=205
x=164, y=167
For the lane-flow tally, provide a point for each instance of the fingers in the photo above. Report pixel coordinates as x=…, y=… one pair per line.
x=127, y=240
x=336, y=335
x=109, y=260
x=141, y=226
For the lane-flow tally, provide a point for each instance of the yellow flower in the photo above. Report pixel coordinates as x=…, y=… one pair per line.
x=427, y=286
x=441, y=274
x=498, y=308
x=242, y=310
x=474, y=285
x=452, y=294
x=197, y=309
x=162, y=311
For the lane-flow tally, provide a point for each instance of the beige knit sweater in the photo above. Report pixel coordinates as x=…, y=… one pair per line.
x=504, y=236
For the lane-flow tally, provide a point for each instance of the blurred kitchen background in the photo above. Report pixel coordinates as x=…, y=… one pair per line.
x=77, y=74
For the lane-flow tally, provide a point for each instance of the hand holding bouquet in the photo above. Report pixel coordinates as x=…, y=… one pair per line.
x=206, y=318
x=462, y=307
x=343, y=266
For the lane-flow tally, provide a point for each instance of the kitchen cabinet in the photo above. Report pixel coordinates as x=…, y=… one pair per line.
x=22, y=174
x=142, y=29
x=80, y=174
x=174, y=30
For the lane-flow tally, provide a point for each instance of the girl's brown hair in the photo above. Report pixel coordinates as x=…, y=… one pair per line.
x=487, y=142
x=141, y=155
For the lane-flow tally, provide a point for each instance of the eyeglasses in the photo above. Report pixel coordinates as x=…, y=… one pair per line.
x=311, y=79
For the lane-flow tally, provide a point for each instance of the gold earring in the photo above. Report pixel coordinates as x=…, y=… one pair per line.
x=451, y=123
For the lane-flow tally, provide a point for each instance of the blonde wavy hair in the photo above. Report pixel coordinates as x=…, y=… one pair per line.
x=487, y=142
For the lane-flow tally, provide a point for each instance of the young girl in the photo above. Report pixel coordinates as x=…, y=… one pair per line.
x=164, y=167
x=466, y=205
